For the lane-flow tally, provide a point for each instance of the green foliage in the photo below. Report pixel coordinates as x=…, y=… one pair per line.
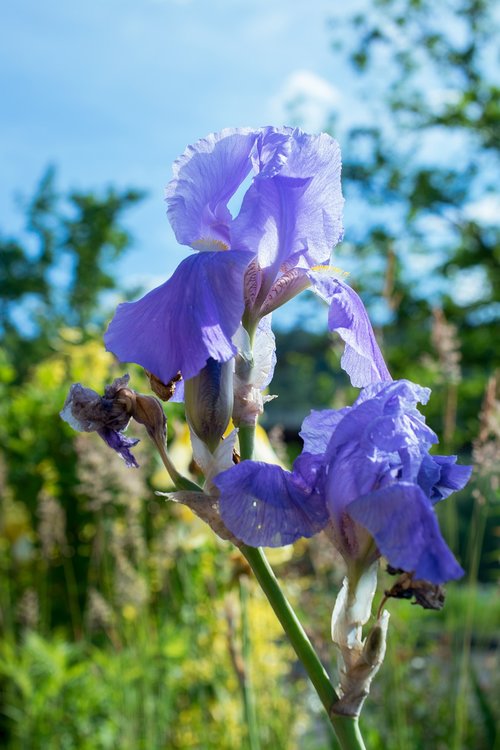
x=422, y=177
x=121, y=617
x=56, y=274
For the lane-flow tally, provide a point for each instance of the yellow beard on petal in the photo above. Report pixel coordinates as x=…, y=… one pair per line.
x=331, y=269
x=207, y=245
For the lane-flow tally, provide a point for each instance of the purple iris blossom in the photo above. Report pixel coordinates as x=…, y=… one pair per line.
x=247, y=266
x=366, y=471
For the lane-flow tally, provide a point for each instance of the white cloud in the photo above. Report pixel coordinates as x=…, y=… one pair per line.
x=305, y=99
x=486, y=210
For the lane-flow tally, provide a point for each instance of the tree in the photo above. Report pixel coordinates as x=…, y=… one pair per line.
x=55, y=275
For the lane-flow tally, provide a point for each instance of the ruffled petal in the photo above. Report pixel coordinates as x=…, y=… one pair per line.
x=403, y=523
x=362, y=358
x=206, y=176
x=262, y=505
x=318, y=428
x=182, y=323
x=292, y=213
x=439, y=476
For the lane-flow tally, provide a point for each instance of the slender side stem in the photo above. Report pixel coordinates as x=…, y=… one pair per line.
x=180, y=482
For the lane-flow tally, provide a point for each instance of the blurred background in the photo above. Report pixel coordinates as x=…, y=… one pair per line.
x=124, y=622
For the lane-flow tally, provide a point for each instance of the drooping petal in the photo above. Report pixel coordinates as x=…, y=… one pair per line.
x=186, y=320
x=262, y=505
x=121, y=444
x=362, y=358
x=293, y=215
x=206, y=176
x=403, y=523
x=439, y=476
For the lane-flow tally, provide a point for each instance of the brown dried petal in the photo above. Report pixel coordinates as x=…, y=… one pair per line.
x=86, y=411
x=164, y=391
x=427, y=595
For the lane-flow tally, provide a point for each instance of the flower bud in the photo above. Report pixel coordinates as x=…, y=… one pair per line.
x=209, y=401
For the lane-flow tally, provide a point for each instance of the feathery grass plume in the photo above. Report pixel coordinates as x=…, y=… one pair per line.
x=51, y=527
x=99, y=614
x=486, y=447
x=28, y=610
x=447, y=345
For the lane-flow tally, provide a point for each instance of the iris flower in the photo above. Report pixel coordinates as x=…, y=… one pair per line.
x=247, y=265
x=367, y=474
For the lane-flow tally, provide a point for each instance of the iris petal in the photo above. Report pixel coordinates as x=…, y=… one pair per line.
x=186, y=320
x=206, y=176
x=318, y=428
x=403, y=523
x=293, y=215
x=439, y=476
x=263, y=505
x=362, y=358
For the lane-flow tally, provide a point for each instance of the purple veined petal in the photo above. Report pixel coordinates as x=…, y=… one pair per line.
x=186, y=320
x=262, y=505
x=271, y=151
x=405, y=528
x=399, y=425
x=205, y=178
x=285, y=287
x=351, y=474
x=439, y=476
x=318, y=428
x=362, y=358
x=121, y=444
x=295, y=215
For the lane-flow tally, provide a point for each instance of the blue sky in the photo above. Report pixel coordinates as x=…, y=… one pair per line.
x=111, y=92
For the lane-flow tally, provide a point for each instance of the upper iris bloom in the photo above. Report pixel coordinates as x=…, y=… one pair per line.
x=366, y=472
x=248, y=265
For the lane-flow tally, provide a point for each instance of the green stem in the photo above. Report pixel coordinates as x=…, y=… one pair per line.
x=346, y=728
x=248, y=692
x=291, y=625
x=246, y=435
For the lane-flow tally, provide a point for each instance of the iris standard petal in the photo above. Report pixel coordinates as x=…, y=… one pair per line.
x=262, y=505
x=293, y=216
x=318, y=428
x=403, y=523
x=188, y=319
x=206, y=176
x=362, y=358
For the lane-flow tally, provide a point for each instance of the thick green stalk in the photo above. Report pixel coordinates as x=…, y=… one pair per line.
x=248, y=691
x=246, y=436
x=346, y=728
x=291, y=625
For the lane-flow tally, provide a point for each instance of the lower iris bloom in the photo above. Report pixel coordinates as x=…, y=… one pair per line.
x=248, y=265
x=365, y=473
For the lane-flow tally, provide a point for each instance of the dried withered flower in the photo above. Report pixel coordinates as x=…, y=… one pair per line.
x=427, y=595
